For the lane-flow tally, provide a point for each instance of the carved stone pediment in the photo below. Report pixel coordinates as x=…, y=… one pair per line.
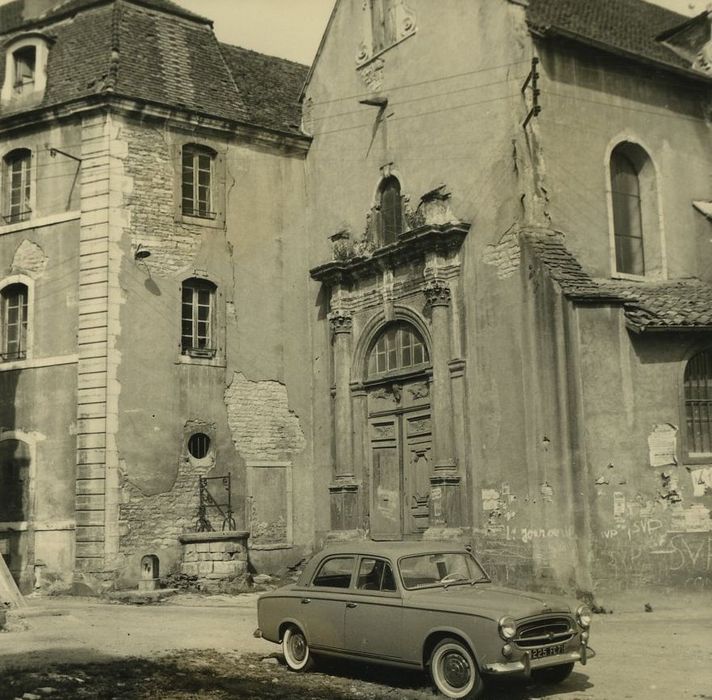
x=413, y=245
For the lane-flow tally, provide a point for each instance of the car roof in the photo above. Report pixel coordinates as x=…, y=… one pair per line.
x=390, y=549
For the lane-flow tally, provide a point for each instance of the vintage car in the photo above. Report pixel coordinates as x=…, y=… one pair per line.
x=422, y=605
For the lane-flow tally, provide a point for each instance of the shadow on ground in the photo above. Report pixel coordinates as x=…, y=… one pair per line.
x=211, y=675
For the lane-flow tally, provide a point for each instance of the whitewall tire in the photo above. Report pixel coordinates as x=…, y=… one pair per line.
x=454, y=670
x=295, y=649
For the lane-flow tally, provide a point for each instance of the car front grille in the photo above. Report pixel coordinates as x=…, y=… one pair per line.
x=547, y=630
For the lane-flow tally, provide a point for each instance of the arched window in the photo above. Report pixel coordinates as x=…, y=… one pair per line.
x=197, y=181
x=391, y=210
x=198, y=318
x=398, y=348
x=17, y=186
x=14, y=322
x=698, y=404
x=634, y=206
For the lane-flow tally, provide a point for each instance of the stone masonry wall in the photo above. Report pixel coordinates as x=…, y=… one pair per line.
x=214, y=557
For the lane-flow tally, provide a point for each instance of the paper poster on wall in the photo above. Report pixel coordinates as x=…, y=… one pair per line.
x=701, y=481
x=662, y=445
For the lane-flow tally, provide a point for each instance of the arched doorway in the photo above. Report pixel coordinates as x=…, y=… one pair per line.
x=397, y=382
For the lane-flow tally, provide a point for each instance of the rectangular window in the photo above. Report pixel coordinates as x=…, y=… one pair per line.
x=14, y=299
x=197, y=304
x=375, y=575
x=18, y=186
x=335, y=573
x=24, y=59
x=197, y=175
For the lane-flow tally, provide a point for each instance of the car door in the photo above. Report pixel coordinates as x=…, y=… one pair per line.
x=323, y=602
x=374, y=611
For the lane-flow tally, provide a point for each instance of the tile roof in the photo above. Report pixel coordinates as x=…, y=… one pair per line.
x=627, y=26
x=130, y=50
x=668, y=305
x=648, y=305
x=269, y=86
x=11, y=18
x=549, y=250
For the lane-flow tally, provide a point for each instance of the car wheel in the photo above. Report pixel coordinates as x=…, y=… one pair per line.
x=296, y=649
x=553, y=674
x=454, y=670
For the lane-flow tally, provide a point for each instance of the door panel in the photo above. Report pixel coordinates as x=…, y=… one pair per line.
x=418, y=448
x=323, y=618
x=386, y=508
x=373, y=626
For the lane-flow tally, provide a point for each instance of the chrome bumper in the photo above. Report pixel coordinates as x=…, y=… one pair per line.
x=526, y=665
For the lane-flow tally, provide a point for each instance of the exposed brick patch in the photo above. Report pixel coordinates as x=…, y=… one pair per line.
x=505, y=254
x=157, y=521
x=261, y=423
x=173, y=245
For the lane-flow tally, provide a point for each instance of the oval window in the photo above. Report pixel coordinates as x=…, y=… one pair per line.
x=199, y=445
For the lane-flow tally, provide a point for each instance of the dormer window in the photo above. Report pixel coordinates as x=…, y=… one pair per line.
x=24, y=60
x=25, y=70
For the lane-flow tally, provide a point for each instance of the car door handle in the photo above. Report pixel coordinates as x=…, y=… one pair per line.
x=351, y=605
x=306, y=601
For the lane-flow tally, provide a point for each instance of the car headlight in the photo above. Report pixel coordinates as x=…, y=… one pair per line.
x=507, y=628
x=583, y=616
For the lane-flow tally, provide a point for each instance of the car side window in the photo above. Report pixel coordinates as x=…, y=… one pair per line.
x=375, y=575
x=335, y=573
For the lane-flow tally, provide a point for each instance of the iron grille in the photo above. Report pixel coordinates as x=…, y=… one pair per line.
x=548, y=630
x=220, y=509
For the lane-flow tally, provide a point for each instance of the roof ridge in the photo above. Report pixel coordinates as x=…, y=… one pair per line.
x=224, y=44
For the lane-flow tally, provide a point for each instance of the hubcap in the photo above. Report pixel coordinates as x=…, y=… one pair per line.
x=298, y=647
x=456, y=670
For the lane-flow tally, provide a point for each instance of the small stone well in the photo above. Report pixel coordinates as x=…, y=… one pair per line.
x=214, y=556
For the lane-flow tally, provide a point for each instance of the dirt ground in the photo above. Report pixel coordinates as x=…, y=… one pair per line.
x=198, y=647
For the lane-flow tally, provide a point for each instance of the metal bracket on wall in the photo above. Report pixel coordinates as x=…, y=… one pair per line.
x=533, y=82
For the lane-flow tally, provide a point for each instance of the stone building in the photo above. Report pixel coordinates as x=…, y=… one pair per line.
x=452, y=282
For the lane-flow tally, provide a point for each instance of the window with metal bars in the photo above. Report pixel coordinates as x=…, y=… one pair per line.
x=17, y=186
x=398, y=348
x=698, y=404
x=14, y=314
x=197, y=181
x=197, y=318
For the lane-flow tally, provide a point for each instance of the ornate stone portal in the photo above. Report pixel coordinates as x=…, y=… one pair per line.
x=398, y=379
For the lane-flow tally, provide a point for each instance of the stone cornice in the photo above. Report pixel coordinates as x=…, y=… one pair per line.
x=411, y=245
x=133, y=107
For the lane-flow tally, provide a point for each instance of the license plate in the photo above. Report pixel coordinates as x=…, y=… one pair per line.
x=543, y=652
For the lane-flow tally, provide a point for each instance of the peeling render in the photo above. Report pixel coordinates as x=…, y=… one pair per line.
x=262, y=425
x=29, y=258
x=505, y=254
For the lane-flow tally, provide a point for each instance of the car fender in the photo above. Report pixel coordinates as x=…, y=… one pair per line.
x=449, y=631
x=296, y=623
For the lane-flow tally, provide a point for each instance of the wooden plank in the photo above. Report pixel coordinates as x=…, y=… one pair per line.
x=9, y=592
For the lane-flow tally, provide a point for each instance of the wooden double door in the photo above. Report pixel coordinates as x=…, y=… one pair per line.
x=400, y=444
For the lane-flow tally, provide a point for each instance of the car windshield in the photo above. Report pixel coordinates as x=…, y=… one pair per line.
x=443, y=568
